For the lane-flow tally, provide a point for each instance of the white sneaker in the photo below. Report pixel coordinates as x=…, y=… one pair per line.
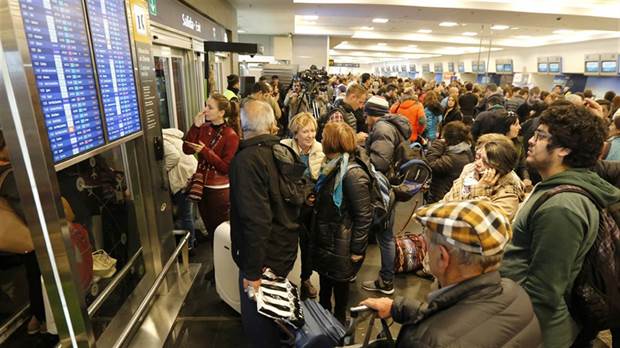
x=104, y=265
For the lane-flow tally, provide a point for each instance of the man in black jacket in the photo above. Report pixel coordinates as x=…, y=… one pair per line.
x=263, y=225
x=474, y=307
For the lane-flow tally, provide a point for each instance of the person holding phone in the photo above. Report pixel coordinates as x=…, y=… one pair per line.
x=214, y=137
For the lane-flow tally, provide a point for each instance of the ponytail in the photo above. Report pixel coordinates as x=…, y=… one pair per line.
x=231, y=111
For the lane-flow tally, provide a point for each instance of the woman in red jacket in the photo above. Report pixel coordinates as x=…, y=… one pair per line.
x=214, y=136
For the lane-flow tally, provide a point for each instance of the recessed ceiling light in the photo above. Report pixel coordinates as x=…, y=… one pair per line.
x=448, y=24
x=500, y=27
x=380, y=20
x=381, y=44
x=562, y=31
x=311, y=18
x=425, y=31
x=470, y=33
x=367, y=28
x=515, y=28
x=412, y=46
x=241, y=31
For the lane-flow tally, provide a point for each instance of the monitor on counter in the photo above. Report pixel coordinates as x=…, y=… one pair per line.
x=592, y=67
x=64, y=75
x=543, y=67
x=609, y=66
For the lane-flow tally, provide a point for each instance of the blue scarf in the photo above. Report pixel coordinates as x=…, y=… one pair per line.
x=326, y=169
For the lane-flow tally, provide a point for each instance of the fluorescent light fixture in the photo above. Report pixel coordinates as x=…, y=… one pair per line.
x=310, y=18
x=425, y=31
x=412, y=46
x=344, y=43
x=240, y=31
x=367, y=28
x=448, y=24
x=470, y=33
x=381, y=44
x=380, y=20
x=562, y=31
x=515, y=28
x=500, y=27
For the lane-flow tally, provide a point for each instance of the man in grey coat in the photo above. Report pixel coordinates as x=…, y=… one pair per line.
x=474, y=306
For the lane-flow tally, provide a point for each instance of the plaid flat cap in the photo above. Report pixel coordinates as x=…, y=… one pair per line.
x=475, y=226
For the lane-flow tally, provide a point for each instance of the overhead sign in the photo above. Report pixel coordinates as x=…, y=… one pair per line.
x=346, y=65
x=176, y=15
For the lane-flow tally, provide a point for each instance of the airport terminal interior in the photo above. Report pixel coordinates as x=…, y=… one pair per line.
x=120, y=120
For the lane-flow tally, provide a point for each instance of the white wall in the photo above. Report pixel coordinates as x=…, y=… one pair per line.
x=525, y=59
x=309, y=50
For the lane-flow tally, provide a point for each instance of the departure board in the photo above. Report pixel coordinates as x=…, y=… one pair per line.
x=63, y=71
x=108, y=25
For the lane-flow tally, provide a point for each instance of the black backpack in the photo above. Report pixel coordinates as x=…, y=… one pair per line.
x=404, y=152
x=381, y=193
x=595, y=296
x=292, y=182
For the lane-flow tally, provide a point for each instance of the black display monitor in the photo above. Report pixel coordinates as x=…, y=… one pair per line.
x=61, y=62
x=609, y=66
x=461, y=67
x=110, y=37
x=592, y=67
x=543, y=67
x=555, y=68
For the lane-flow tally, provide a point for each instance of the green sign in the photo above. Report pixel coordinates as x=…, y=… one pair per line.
x=153, y=7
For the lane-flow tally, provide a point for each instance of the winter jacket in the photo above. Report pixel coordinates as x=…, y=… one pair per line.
x=340, y=233
x=433, y=120
x=350, y=116
x=608, y=170
x=414, y=112
x=180, y=167
x=548, y=248
x=467, y=103
x=484, y=311
x=614, y=149
x=452, y=115
x=316, y=156
x=446, y=162
x=486, y=122
x=387, y=133
x=263, y=226
x=216, y=159
x=513, y=103
x=521, y=165
x=507, y=193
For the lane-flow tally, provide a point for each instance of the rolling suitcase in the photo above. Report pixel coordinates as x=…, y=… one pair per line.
x=321, y=328
x=226, y=271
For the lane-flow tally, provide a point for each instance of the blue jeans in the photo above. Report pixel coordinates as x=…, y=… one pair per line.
x=184, y=219
x=260, y=331
x=385, y=238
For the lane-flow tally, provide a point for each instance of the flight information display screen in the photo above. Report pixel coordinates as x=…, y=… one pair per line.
x=554, y=67
x=609, y=66
x=108, y=25
x=63, y=71
x=592, y=67
x=543, y=67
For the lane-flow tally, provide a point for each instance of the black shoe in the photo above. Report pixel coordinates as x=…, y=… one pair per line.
x=379, y=285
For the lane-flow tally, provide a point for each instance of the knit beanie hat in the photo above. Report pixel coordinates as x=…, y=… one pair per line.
x=376, y=106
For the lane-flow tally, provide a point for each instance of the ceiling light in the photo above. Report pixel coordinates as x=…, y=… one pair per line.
x=344, y=43
x=562, y=31
x=500, y=27
x=425, y=31
x=412, y=46
x=381, y=44
x=448, y=24
x=311, y=18
x=240, y=31
x=380, y=20
x=470, y=33
x=515, y=28
x=367, y=28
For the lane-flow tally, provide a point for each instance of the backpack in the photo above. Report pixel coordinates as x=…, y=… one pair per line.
x=381, y=194
x=404, y=152
x=595, y=296
x=292, y=182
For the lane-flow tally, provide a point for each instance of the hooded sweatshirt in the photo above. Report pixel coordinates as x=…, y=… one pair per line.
x=414, y=111
x=548, y=248
x=388, y=132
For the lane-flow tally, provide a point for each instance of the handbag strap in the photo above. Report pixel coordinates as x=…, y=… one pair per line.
x=4, y=175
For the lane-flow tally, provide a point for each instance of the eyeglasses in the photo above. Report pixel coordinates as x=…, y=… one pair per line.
x=540, y=135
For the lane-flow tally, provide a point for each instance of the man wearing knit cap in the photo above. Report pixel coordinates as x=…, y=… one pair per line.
x=474, y=306
x=386, y=132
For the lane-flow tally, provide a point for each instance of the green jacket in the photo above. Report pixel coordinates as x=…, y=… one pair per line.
x=546, y=255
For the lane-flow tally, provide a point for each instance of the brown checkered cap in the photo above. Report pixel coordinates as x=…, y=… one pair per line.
x=475, y=226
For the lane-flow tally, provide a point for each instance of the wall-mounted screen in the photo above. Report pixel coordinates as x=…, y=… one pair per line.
x=451, y=67
x=592, y=67
x=461, y=67
x=609, y=66
x=426, y=68
x=438, y=67
x=555, y=68
x=543, y=67
x=110, y=38
x=59, y=49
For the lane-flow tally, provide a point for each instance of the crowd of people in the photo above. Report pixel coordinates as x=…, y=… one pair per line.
x=505, y=237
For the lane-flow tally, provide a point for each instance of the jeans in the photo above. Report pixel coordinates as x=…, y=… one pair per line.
x=340, y=290
x=385, y=238
x=184, y=219
x=259, y=330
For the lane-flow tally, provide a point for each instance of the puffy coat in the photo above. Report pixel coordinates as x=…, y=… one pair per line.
x=433, y=120
x=484, y=311
x=447, y=162
x=180, y=167
x=414, y=111
x=315, y=157
x=339, y=233
x=387, y=133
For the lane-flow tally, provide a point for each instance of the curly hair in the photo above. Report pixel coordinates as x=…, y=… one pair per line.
x=575, y=128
